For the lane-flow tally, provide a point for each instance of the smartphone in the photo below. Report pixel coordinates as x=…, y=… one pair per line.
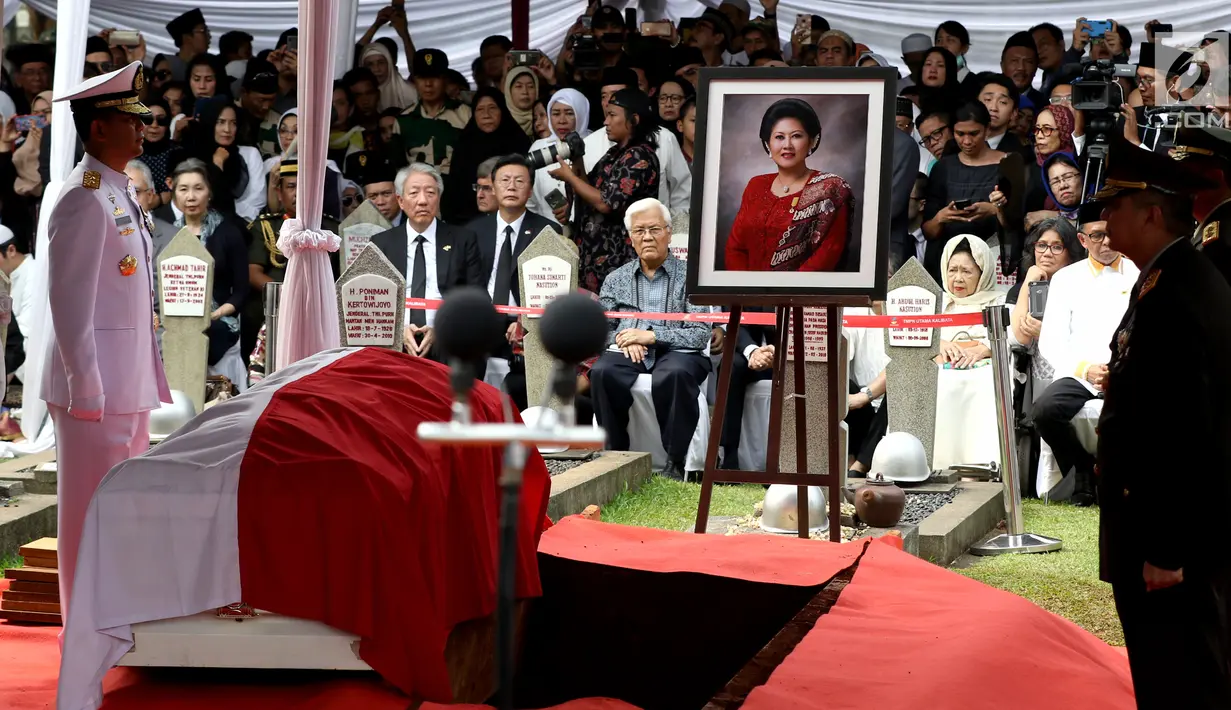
x=963, y=204
x=556, y=199
x=124, y=38
x=1099, y=28
x=28, y=121
x=656, y=29
x=1037, y=299
x=1161, y=29
x=803, y=25
x=292, y=43
x=630, y=18
x=526, y=57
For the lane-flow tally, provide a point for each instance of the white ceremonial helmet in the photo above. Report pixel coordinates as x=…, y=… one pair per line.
x=165, y=420
x=780, y=511
x=900, y=457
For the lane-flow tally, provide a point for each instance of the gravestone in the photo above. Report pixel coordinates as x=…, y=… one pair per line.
x=816, y=397
x=546, y=268
x=371, y=302
x=185, y=285
x=911, y=373
x=678, y=246
x=358, y=229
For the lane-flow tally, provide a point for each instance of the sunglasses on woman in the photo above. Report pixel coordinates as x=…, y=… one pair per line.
x=163, y=120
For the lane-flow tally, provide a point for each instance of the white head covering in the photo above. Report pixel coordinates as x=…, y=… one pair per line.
x=290, y=148
x=6, y=236
x=577, y=101
x=986, y=293
x=396, y=92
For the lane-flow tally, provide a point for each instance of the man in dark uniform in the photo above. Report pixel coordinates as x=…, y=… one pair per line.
x=1207, y=152
x=265, y=262
x=1171, y=579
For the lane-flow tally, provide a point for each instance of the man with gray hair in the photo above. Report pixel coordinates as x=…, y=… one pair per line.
x=484, y=189
x=143, y=184
x=433, y=257
x=670, y=351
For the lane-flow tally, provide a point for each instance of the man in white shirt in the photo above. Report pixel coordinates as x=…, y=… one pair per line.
x=1085, y=303
x=433, y=257
x=674, y=176
x=16, y=262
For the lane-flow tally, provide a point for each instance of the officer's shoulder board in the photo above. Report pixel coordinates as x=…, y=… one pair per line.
x=1210, y=233
x=1150, y=282
x=91, y=179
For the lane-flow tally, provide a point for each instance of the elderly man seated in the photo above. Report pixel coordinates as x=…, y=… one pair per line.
x=1085, y=303
x=670, y=351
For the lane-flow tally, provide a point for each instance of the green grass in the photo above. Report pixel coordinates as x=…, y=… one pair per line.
x=672, y=505
x=9, y=561
x=1064, y=582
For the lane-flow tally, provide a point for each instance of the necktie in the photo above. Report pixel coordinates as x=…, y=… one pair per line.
x=418, y=282
x=504, y=270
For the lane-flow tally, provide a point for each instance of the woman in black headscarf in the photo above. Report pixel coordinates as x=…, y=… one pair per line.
x=236, y=173
x=492, y=131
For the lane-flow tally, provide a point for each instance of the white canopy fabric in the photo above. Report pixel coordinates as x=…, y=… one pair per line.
x=458, y=26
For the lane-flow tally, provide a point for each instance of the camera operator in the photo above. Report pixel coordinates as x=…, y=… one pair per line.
x=1206, y=152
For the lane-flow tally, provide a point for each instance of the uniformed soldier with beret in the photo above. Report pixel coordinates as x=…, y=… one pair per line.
x=1206, y=151
x=103, y=373
x=1165, y=426
x=265, y=262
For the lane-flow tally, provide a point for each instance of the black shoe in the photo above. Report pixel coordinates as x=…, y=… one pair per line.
x=1084, y=494
x=673, y=470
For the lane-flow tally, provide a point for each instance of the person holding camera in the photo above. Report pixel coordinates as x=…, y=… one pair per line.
x=568, y=112
x=626, y=173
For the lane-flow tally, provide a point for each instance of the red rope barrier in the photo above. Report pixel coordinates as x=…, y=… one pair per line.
x=924, y=321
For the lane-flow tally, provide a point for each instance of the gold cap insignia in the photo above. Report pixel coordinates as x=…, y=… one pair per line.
x=363, y=161
x=1210, y=233
x=1150, y=282
x=91, y=180
x=139, y=80
x=427, y=59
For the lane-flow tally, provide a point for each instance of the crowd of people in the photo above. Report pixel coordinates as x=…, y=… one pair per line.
x=990, y=175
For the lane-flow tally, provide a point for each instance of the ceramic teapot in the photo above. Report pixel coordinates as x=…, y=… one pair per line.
x=879, y=502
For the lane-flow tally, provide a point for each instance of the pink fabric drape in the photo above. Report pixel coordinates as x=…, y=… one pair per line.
x=307, y=309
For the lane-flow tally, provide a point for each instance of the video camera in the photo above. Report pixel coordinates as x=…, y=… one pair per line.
x=1099, y=96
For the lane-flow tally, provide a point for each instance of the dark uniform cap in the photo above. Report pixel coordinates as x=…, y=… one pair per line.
x=1172, y=61
x=1129, y=168
x=1202, y=142
x=114, y=91
x=185, y=23
x=719, y=22
x=289, y=166
x=367, y=168
x=430, y=63
x=607, y=17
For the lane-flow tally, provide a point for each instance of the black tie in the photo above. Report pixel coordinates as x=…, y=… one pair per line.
x=418, y=283
x=504, y=270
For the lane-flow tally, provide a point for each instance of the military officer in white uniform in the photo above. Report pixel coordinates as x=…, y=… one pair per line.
x=103, y=373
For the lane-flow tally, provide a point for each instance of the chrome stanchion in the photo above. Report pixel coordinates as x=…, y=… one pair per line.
x=1015, y=539
x=273, y=290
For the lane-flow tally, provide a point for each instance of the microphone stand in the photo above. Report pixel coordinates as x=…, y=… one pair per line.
x=514, y=438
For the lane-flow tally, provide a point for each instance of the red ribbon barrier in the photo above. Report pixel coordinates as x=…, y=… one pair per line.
x=926, y=321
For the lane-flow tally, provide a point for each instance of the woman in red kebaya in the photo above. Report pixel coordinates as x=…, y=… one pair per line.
x=795, y=219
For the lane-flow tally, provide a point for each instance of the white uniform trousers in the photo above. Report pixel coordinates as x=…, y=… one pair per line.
x=85, y=452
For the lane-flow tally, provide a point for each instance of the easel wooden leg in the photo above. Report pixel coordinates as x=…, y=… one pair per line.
x=833, y=350
x=801, y=418
x=720, y=412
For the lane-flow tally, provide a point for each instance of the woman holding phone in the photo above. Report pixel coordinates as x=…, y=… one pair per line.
x=964, y=195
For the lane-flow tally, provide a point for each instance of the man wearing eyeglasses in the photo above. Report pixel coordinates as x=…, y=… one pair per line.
x=191, y=37
x=670, y=351
x=1085, y=303
x=935, y=131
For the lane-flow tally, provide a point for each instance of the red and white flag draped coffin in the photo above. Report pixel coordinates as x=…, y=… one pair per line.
x=255, y=497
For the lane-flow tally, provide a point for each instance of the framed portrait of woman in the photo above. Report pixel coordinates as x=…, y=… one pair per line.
x=791, y=181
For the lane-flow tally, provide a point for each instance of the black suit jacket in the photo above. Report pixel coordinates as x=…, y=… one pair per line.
x=755, y=334
x=1155, y=426
x=484, y=228
x=458, y=261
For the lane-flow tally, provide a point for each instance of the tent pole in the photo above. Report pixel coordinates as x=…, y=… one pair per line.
x=521, y=24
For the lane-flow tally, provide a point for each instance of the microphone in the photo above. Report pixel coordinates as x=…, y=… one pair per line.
x=573, y=329
x=467, y=326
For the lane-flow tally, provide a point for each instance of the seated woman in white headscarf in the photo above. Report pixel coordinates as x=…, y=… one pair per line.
x=966, y=395
x=567, y=111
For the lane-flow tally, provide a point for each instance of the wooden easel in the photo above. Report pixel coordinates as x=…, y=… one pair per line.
x=771, y=475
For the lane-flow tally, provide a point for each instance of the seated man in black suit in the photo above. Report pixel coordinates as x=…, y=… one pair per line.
x=503, y=235
x=433, y=257
x=753, y=362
